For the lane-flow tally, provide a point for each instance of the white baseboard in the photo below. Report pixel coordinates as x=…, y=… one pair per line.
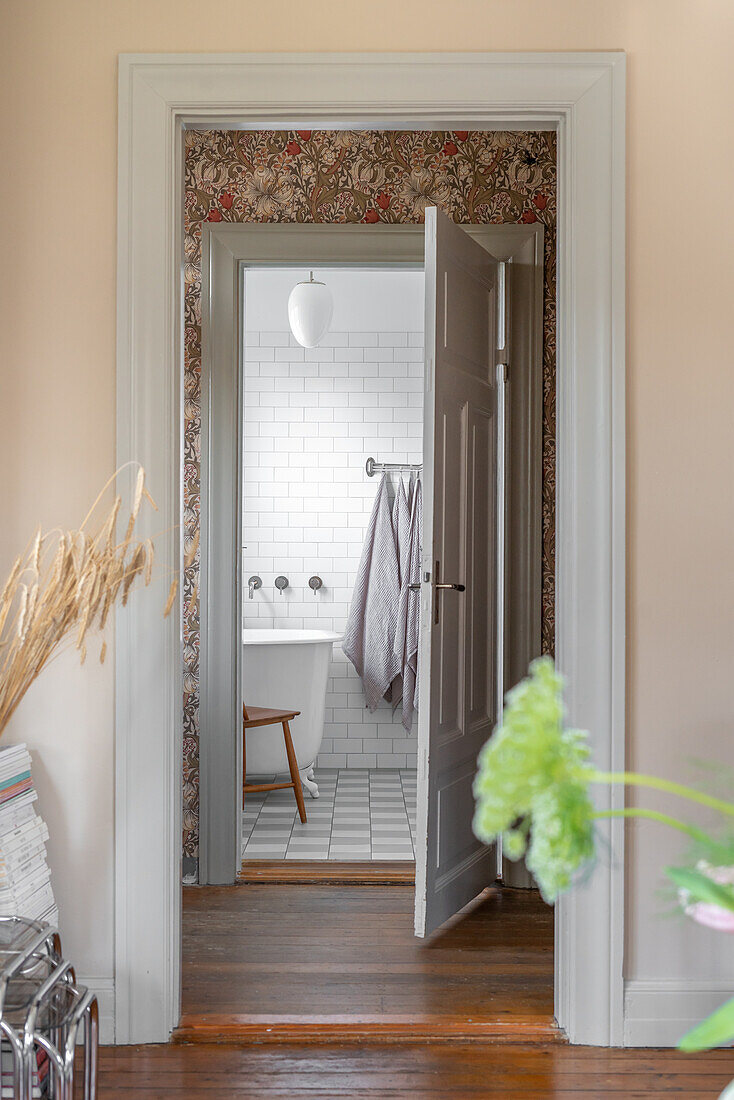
x=105, y=991
x=658, y=1013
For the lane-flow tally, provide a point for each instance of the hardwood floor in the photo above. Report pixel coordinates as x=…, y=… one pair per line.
x=417, y=1072
x=284, y=949
x=291, y=962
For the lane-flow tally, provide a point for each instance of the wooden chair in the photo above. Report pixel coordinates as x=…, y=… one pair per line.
x=264, y=716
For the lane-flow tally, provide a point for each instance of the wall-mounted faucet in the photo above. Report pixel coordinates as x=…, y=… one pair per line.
x=281, y=583
x=253, y=584
x=315, y=583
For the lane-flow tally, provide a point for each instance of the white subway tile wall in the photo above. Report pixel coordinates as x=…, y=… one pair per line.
x=312, y=418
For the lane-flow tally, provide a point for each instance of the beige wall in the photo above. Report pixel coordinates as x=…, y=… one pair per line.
x=57, y=147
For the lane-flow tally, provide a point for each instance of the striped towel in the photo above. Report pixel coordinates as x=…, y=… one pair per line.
x=369, y=637
x=407, y=632
x=401, y=530
x=411, y=489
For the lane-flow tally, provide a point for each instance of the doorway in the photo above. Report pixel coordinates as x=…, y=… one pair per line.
x=582, y=96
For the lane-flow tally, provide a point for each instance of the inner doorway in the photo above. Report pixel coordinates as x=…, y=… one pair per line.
x=233, y=259
x=229, y=251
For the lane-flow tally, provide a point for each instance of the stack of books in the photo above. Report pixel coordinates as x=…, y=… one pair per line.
x=25, y=879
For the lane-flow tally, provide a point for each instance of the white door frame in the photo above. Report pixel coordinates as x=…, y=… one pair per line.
x=582, y=95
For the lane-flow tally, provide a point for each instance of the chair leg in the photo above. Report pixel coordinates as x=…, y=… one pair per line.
x=293, y=765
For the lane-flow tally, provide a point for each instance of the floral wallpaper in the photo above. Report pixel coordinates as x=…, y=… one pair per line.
x=352, y=176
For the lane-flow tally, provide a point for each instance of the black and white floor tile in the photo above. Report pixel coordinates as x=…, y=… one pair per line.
x=361, y=814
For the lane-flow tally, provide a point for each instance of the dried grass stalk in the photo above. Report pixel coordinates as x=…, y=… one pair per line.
x=63, y=588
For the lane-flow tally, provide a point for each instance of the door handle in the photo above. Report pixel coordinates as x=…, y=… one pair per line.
x=456, y=587
x=444, y=586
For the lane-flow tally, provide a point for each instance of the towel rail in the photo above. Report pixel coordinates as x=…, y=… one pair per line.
x=372, y=467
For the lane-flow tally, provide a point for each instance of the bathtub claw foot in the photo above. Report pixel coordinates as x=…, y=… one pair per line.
x=309, y=782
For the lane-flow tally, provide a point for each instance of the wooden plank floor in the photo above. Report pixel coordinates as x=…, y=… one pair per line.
x=417, y=1072
x=275, y=953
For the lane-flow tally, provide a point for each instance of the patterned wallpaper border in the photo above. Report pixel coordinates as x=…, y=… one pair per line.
x=353, y=176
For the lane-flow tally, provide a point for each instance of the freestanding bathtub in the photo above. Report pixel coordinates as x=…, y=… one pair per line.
x=286, y=669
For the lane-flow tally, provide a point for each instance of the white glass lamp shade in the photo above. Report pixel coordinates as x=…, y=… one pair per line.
x=310, y=306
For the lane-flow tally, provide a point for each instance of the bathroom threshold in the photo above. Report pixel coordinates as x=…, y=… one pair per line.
x=346, y=873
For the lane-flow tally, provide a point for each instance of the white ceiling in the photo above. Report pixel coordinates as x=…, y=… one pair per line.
x=364, y=300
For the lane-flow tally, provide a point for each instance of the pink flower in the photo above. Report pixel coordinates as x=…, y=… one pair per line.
x=451, y=148
x=214, y=215
x=528, y=217
x=711, y=916
x=371, y=217
x=226, y=200
x=383, y=200
x=293, y=148
x=706, y=912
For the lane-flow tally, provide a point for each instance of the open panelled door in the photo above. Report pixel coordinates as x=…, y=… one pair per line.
x=459, y=636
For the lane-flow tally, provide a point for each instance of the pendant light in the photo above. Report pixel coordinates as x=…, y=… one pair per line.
x=310, y=306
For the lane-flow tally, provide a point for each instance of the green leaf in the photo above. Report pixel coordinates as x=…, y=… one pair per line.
x=533, y=784
x=701, y=887
x=715, y=1031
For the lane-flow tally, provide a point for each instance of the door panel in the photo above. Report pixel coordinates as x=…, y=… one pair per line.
x=466, y=344
x=481, y=587
x=454, y=846
x=450, y=700
x=458, y=624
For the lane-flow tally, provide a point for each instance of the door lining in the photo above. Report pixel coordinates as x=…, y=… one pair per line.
x=582, y=96
x=227, y=251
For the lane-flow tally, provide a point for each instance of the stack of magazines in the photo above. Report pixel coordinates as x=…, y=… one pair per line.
x=25, y=879
x=40, y=1074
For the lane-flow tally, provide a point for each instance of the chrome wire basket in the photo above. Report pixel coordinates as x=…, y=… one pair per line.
x=44, y=1013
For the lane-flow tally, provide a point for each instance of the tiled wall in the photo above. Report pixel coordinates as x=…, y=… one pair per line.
x=312, y=418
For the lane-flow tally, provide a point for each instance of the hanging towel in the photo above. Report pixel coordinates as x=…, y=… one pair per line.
x=369, y=637
x=401, y=530
x=406, y=634
x=411, y=490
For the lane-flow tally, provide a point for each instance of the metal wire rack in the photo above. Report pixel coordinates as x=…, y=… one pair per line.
x=43, y=1013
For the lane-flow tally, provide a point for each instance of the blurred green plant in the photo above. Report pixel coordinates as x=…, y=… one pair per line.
x=533, y=790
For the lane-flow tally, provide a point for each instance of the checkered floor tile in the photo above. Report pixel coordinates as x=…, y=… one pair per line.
x=360, y=814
